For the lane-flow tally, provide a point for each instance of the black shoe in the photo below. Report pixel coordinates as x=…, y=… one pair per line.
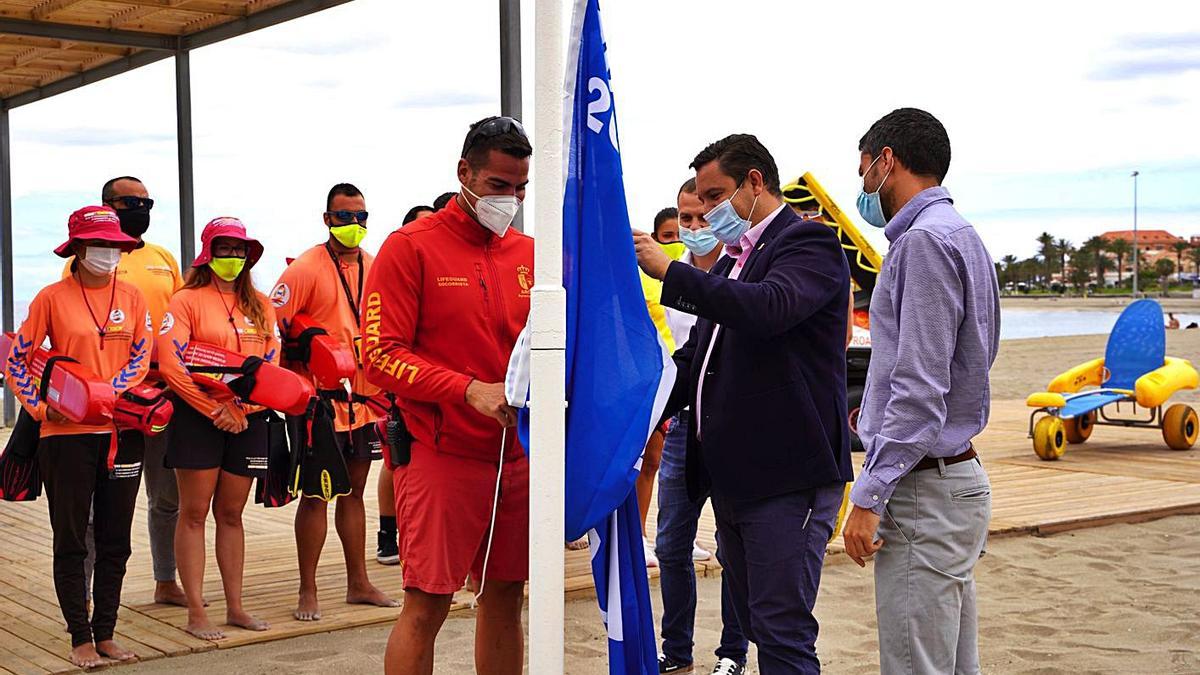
x=728, y=667
x=387, y=552
x=668, y=665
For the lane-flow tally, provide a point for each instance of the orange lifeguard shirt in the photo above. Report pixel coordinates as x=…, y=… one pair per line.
x=204, y=314
x=153, y=271
x=60, y=313
x=310, y=285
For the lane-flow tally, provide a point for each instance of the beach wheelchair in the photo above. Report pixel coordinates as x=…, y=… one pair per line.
x=1135, y=371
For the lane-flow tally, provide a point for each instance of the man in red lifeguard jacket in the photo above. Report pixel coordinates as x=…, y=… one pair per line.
x=444, y=304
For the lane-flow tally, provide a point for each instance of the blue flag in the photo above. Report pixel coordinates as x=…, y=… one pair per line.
x=618, y=372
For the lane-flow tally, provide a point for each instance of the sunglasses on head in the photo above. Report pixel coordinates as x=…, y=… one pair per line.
x=347, y=217
x=491, y=128
x=133, y=202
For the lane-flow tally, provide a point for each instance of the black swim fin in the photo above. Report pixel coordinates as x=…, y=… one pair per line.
x=320, y=468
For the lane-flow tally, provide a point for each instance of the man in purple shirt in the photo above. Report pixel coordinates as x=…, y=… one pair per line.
x=923, y=501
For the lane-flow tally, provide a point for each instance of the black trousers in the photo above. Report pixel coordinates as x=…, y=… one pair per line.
x=772, y=551
x=77, y=478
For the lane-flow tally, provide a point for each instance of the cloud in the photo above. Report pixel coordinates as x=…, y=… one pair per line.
x=442, y=99
x=91, y=136
x=1165, y=101
x=1133, y=69
x=1161, y=41
x=341, y=46
x=1151, y=54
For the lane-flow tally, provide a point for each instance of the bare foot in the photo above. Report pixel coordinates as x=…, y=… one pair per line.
x=369, y=595
x=307, y=609
x=170, y=593
x=244, y=620
x=204, y=630
x=578, y=545
x=86, y=656
x=109, y=649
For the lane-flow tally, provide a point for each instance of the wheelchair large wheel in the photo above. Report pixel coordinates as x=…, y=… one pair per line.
x=1049, y=438
x=1079, y=428
x=1180, y=427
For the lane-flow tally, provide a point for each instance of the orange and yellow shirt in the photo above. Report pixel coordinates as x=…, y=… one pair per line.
x=312, y=285
x=112, y=343
x=210, y=316
x=153, y=271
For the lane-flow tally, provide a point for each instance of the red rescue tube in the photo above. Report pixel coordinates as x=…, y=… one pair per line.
x=73, y=390
x=249, y=378
x=329, y=361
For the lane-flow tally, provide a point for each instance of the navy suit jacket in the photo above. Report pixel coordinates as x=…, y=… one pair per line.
x=773, y=418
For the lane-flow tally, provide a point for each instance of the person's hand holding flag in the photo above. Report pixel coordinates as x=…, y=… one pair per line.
x=650, y=256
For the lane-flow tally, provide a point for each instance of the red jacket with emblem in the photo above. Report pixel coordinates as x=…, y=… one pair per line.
x=445, y=302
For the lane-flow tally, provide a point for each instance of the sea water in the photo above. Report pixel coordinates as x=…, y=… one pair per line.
x=1033, y=323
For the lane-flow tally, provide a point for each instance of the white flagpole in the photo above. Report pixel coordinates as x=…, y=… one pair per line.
x=548, y=339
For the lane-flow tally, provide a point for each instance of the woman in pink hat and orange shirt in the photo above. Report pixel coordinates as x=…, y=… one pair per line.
x=217, y=444
x=103, y=324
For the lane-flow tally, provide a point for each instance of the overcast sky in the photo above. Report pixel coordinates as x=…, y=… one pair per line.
x=1049, y=107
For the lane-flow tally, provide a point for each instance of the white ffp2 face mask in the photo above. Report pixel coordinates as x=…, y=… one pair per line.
x=101, y=260
x=495, y=212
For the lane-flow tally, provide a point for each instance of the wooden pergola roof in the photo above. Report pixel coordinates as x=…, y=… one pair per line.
x=50, y=46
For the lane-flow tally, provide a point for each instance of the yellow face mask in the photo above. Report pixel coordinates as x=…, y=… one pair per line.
x=350, y=235
x=227, y=268
x=674, y=250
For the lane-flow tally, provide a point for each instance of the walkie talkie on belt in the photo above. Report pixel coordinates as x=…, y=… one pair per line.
x=399, y=440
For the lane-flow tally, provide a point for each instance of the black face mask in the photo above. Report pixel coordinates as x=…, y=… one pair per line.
x=135, y=221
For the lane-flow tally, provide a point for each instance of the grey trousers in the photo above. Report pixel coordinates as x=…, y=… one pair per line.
x=934, y=529
x=162, y=498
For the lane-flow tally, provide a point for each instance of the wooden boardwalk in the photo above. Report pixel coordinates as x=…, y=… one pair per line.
x=1120, y=475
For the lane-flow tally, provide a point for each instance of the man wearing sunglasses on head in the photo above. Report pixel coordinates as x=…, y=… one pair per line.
x=326, y=284
x=153, y=271
x=445, y=302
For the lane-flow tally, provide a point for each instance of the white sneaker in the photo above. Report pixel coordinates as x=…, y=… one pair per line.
x=728, y=667
x=699, y=554
x=651, y=559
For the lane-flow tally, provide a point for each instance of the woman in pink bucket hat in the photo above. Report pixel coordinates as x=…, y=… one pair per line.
x=102, y=323
x=216, y=444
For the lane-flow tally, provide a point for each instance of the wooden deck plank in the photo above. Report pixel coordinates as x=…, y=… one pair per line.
x=32, y=654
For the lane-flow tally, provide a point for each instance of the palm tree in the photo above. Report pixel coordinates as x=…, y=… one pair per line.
x=1046, y=250
x=1008, y=262
x=1064, y=249
x=1194, y=255
x=1164, y=268
x=1180, y=247
x=1120, y=248
x=1081, y=264
x=1097, y=246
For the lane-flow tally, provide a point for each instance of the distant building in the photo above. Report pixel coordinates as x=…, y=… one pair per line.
x=1152, y=244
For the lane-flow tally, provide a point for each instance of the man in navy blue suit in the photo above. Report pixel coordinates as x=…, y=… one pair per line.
x=764, y=372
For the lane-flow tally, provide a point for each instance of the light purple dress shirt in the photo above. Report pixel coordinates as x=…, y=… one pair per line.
x=935, y=330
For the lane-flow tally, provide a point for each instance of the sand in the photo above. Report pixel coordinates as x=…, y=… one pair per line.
x=1117, y=599
x=1026, y=366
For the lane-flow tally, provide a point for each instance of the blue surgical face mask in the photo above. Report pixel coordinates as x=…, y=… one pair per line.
x=699, y=242
x=869, y=205
x=726, y=225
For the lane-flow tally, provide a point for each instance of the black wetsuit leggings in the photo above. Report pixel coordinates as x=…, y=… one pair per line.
x=74, y=469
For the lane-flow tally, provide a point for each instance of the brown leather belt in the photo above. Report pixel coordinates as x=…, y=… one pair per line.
x=932, y=462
